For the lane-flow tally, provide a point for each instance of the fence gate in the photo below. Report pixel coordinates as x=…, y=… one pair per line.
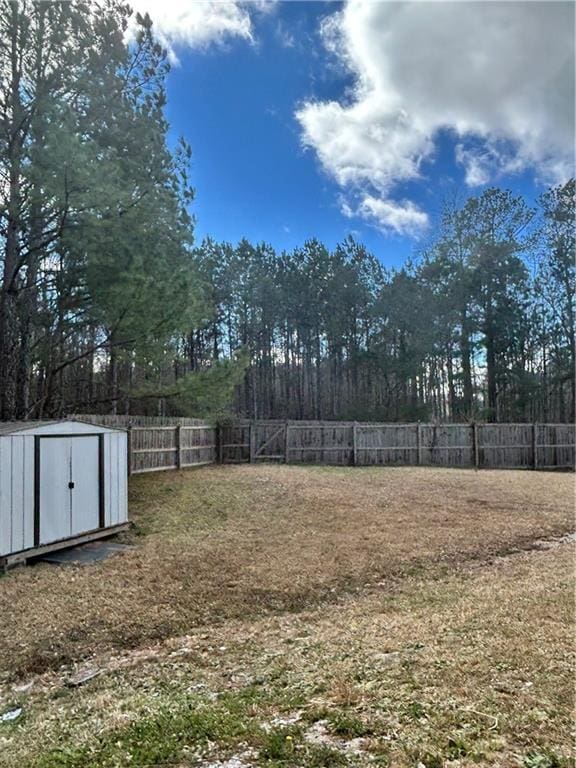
x=268, y=442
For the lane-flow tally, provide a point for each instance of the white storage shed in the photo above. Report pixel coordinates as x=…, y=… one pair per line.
x=61, y=483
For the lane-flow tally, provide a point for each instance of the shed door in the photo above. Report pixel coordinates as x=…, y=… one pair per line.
x=85, y=460
x=55, y=501
x=69, y=486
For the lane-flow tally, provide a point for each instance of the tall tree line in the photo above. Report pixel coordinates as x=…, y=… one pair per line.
x=481, y=326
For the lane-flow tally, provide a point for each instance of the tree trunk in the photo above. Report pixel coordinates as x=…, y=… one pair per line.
x=9, y=325
x=465, y=355
x=113, y=377
x=492, y=392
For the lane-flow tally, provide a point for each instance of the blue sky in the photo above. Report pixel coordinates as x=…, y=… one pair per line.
x=236, y=102
x=236, y=107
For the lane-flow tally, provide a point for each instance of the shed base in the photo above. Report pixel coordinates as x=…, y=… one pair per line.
x=20, y=558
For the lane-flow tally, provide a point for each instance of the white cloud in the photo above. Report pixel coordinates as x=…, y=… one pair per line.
x=200, y=23
x=284, y=36
x=497, y=75
x=477, y=165
x=403, y=217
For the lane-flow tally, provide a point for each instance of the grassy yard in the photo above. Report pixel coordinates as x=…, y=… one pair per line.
x=290, y=616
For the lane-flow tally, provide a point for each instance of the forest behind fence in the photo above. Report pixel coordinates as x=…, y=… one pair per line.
x=162, y=444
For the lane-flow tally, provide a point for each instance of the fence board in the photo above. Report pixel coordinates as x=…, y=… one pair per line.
x=386, y=444
x=235, y=444
x=506, y=445
x=448, y=445
x=326, y=443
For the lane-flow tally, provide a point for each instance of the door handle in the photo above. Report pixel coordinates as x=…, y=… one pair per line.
x=70, y=485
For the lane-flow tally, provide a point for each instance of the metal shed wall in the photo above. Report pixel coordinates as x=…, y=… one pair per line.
x=16, y=493
x=17, y=478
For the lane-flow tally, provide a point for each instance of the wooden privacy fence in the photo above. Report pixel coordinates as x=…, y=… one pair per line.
x=155, y=444
x=172, y=443
x=510, y=446
x=155, y=448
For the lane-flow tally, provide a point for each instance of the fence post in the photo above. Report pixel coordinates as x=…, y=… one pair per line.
x=129, y=448
x=354, y=444
x=419, y=442
x=252, y=441
x=286, y=442
x=534, y=447
x=475, y=451
x=179, y=446
x=218, y=441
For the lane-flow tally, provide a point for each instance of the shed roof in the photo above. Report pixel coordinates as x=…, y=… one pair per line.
x=10, y=427
x=7, y=427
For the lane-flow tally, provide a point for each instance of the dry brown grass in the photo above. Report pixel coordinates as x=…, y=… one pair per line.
x=226, y=542
x=474, y=668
